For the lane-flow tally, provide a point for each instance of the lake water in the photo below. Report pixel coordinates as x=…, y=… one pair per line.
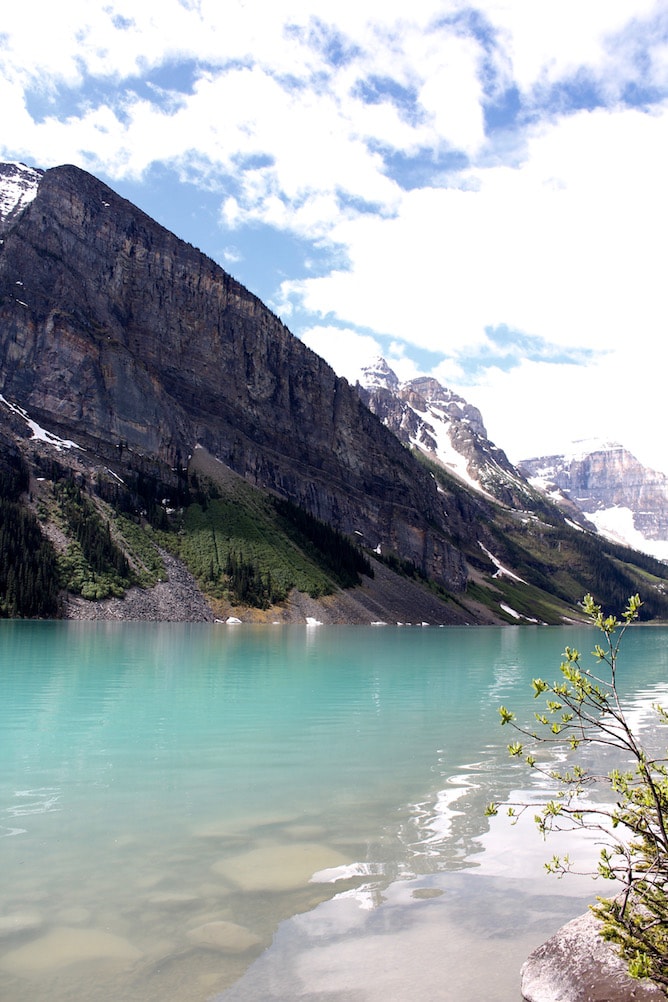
x=193, y=812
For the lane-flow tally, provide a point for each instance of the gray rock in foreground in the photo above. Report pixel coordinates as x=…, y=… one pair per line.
x=577, y=965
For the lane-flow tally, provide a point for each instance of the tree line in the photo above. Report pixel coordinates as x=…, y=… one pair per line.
x=29, y=575
x=344, y=560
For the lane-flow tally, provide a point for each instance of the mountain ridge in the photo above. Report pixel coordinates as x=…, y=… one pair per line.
x=124, y=352
x=623, y=499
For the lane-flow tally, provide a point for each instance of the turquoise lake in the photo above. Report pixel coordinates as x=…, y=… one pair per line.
x=255, y=814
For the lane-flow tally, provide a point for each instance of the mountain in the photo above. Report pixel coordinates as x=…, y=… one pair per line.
x=599, y=485
x=117, y=332
x=161, y=429
x=443, y=426
x=625, y=500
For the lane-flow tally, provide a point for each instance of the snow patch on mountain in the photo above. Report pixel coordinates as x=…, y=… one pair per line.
x=37, y=431
x=501, y=571
x=583, y=447
x=449, y=457
x=617, y=524
x=18, y=187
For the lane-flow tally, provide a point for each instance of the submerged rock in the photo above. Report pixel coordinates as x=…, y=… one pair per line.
x=63, y=946
x=578, y=965
x=228, y=937
x=19, y=923
x=279, y=867
x=173, y=900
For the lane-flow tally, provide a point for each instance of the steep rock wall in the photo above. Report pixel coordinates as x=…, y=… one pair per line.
x=114, y=331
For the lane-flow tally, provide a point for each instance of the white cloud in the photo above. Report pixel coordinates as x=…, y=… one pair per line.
x=567, y=246
x=549, y=41
x=232, y=255
x=451, y=91
x=556, y=231
x=538, y=409
x=345, y=349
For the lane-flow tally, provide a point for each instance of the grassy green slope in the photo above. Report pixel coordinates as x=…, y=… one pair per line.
x=242, y=528
x=243, y=545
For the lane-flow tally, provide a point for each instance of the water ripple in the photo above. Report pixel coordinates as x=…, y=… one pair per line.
x=40, y=801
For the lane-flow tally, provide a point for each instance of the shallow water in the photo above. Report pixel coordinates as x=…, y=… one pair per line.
x=195, y=812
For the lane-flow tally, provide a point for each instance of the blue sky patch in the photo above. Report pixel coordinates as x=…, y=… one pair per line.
x=503, y=110
x=333, y=45
x=580, y=92
x=159, y=86
x=507, y=348
x=377, y=90
x=122, y=23
x=422, y=168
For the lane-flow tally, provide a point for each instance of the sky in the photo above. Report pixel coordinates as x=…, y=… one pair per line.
x=475, y=191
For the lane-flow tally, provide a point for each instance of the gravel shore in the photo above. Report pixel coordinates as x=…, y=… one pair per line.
x=177, y=600
x=385, y=598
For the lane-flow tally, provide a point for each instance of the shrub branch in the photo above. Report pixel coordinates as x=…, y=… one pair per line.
x=583, y=709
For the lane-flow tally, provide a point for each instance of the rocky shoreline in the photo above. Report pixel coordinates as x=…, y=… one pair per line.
x=176, y=600
x=385, y=598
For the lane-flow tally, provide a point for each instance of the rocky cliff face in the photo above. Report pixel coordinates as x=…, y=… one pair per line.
x=622, y=498
x=118, y=335
x=446, y=428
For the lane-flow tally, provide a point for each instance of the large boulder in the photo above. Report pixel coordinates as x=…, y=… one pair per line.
x=578, y=965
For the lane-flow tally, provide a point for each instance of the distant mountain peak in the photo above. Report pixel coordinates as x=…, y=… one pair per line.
x=583, y=447
x=376, y=374
x=432, y=418
x=625, y=500
x=18, y=187
x=577, y=450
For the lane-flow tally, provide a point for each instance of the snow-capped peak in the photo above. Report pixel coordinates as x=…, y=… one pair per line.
x=576, y=451
x=583, y=447
x=626, y=501
x=427, y=416
x=18, y=187
x=377, y=375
